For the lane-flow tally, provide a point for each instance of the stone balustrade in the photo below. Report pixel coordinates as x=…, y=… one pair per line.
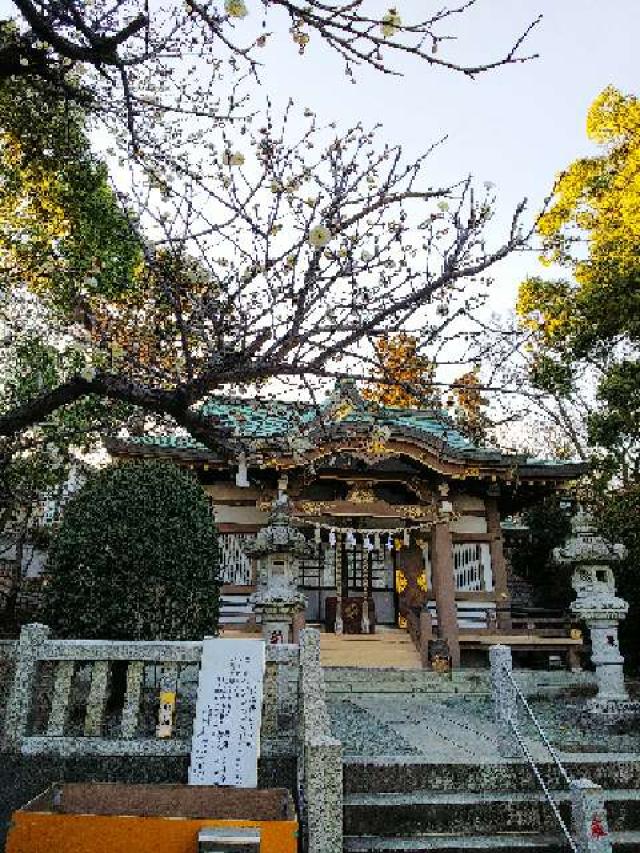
x=89, y=664
x=295, y=720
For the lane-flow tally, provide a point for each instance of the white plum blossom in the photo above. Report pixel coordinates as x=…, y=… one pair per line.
x=319, y=236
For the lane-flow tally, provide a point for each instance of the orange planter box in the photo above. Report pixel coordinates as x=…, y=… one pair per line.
x=118, y=818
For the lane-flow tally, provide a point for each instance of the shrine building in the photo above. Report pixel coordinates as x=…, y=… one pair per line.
x=402, y=513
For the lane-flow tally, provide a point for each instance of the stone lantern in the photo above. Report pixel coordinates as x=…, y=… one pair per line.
x=598, y=606
x=277, y=549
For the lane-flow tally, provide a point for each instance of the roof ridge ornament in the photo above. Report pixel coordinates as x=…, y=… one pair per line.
x=345, y=399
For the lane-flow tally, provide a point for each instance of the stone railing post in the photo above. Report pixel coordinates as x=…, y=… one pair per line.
x=505, y=700
x=32, y=638
x=323, y=778
x=589, y=817
x=309, y=647
x=320, y=754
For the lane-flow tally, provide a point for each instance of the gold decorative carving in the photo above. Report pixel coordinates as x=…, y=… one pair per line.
x=361, y=493
x=401, y=581
x=377, y=447
x=440, y=664
x=314, y=507
x=402, y=622
x=343, y=411
x=415, y=511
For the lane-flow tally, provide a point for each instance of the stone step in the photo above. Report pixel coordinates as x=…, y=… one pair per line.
x=398, y=775
x=389, y=678
x=629, y=842
x=393, y=679
x=532, y=843
x=471, y=813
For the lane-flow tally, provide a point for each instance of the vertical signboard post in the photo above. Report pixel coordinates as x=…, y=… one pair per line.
x=226, y=730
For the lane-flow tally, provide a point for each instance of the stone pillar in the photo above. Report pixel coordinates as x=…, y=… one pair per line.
x=32, y=638
x=606, y=657
x=589, y=817
x=498, y=565
x=299, y=621
x=504, y=699
x=444, y=588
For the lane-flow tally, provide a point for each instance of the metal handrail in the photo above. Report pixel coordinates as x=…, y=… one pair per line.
x=527, y=754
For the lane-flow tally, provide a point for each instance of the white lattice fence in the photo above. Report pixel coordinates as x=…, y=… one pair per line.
x=472, y=566
x=235, y=566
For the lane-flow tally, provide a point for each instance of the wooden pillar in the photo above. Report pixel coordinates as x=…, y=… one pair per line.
x=444, y=588
x=498, y=565
x=426, y=635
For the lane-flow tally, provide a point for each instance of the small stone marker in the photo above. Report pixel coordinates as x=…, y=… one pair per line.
x=589, y=817
x=229, y=840
x=226, y=729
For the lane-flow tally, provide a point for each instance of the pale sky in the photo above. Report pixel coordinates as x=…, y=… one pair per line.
x=516, y=126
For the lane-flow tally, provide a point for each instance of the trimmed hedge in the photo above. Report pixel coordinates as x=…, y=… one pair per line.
x=136, y=557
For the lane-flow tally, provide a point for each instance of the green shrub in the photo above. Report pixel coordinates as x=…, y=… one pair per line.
x=136, y=557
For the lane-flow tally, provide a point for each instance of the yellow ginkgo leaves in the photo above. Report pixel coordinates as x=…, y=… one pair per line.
x=391, y=23
x=235, y=8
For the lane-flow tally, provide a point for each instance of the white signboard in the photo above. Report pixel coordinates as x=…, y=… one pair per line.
x=226, y=729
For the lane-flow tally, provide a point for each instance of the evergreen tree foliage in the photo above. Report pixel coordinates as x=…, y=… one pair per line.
x=532, y=558
x=136, y=557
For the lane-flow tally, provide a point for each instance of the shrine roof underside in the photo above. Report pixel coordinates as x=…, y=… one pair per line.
x=284, y=432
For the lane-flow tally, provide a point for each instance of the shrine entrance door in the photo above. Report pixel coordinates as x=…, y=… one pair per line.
x=410, y=582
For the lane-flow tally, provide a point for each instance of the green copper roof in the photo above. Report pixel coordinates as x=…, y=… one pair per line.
x=430, y=423
x=274, y=419
x=265, y=423
x=259, y=419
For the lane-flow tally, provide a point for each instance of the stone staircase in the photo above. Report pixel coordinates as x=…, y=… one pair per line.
x=409, y=806
x=351, y=678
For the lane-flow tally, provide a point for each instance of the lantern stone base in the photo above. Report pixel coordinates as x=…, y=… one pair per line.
x=602, y=613
x=610, y=717
x=614, y=710
x=282, y=620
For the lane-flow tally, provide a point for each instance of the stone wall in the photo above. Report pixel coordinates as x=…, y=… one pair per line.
x=7, y=654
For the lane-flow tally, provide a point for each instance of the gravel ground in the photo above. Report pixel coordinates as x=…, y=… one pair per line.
x=368, y=727
x=362, y=733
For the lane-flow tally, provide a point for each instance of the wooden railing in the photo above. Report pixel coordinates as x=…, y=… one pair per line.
x=543, y=622
x=420, y=628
